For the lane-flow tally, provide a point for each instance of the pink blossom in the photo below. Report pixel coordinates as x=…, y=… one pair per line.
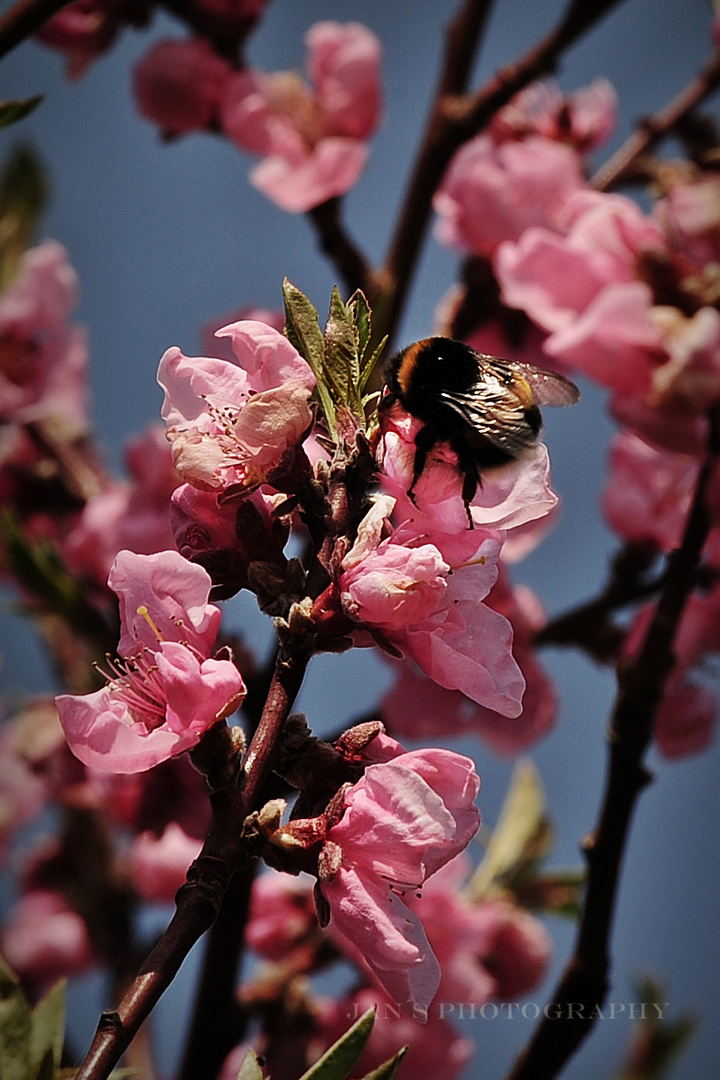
x=42, y=357
x=282, y=914
x=687, y=713
x=222, y=347
x=508, y=497
x=180, y=85
x=686, y=718
x=490, y=950
x=554, y=274
x=165, y=691
x=648, y=491
x=44, y=940
x=403, y=820
x=22, y=794
x=132, y=517
x=85, y=29
x=237, y=424
x=584, y=119
x=599, y=282
x=158, y=864
x=425, y=592
x=313, y=141
x=690, y=213
x=418, y=708
x=493, y=193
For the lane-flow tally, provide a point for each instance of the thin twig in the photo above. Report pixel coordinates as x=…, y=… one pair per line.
x=25, y=19
x=340, y=248
x=622, y=165
x=199, y=899
x=455, y=118
x=584, y=984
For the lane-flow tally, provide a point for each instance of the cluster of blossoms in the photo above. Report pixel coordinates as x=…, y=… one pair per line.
x=312, y=139
x=626, y=298
x=411, y=578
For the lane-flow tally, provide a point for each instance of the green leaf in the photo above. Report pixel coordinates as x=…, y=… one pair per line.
x=12, y=111
x=302, y=329
x=341, y=355
x=250, y=1068
x=339, y=1059
x=48, y=1033
x=360, y=314
x=521, y=821
x=387, y=1070
x=15, y=1027
x=369, y=367
x=23, y=195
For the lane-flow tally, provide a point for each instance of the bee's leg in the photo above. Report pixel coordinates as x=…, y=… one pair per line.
x=471, y=480
x=424, y=442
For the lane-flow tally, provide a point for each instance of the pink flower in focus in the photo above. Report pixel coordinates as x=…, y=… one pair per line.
x=158, y=864
x=511, y=496
x=165, y=691
x=237, y=424
x=424, y=592
x=494, y=193
x=403, y=820
x=44, y=940
x=313, y=141
x=180, y=85
x=418, y=708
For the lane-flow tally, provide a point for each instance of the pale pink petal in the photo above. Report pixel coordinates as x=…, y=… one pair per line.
x=173, y=591
x=102, y=734
x=330, y=169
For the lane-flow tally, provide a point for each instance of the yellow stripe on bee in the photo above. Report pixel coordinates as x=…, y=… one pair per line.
x=407, y=365
x=523, y=389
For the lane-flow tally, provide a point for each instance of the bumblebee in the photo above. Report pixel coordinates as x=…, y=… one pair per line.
x=484, y=408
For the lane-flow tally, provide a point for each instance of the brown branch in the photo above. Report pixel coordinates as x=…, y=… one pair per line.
x=25, y=19
x=340, y=248
x=624, y=162
x=454, y=119
x=199, y=899
x=641, y=681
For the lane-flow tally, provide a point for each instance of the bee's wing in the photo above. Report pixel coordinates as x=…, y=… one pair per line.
x=495, y=413
x=548, y=387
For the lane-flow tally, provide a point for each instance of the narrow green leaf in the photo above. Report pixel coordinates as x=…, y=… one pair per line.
x=23, y=194
x=336, y=1063
x=12, y=111
x=15, y=1027
x=360, y=313
x=45, y=1069
x=369, y=367
x=521, y=819
x=48, y=1031
x=302, y=329
x=250, y=1068
x=387, y=1070
x=341, y=355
